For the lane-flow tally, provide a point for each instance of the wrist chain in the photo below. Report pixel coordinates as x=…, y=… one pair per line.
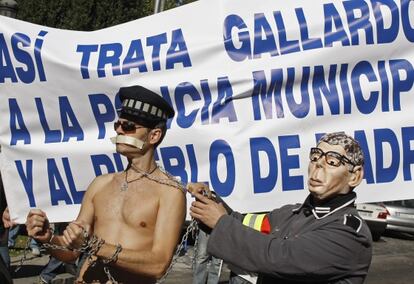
x=114, y=257
x=83, y=248
x=90, y=247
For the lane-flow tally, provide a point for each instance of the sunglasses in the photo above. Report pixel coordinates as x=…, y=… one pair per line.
x=126, y=126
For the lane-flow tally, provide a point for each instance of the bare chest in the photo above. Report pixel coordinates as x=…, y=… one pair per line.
x=136, y=207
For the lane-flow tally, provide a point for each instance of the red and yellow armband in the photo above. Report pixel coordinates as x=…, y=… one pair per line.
x=259, y=222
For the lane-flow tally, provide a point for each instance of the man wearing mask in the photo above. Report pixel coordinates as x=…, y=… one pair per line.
x=323, y=240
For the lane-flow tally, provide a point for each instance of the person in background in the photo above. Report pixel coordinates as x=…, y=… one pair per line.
x=207, y=268
x=4, y=250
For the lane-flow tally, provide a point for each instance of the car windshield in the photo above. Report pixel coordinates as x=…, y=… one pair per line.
x=405, y=203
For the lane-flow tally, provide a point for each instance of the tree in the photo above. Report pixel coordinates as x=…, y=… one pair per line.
x=86, y=15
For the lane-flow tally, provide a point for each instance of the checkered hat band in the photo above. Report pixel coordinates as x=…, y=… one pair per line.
x=144, y=107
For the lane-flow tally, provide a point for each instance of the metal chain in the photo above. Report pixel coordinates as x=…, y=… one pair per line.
x=190, y=229
x=114, y=257
x=108, y=274
x=91, y=247
x=26, y=248
x=195, y=252
x=169, y=181
x=85, y=246
x=24, y=258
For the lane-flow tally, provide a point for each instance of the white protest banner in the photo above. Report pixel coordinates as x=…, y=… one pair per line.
x=254, y=84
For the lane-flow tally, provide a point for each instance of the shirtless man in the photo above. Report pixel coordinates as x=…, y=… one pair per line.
x=140, y=210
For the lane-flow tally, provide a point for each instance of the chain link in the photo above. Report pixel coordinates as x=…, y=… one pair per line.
x=24, y=258
x=193, y=226
x=169, y=181
x=195, y=252
x=85, y=246
x=108, y=274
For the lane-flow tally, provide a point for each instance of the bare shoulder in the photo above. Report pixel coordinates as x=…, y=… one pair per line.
x=172, y=194
x=171, y=186
x=101, y=182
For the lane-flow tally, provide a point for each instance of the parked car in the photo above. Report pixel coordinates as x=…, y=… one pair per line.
x=401, y=217
x=375, y=215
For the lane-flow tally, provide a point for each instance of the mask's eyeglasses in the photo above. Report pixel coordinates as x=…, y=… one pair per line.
x=126, y=126
x=332, y=158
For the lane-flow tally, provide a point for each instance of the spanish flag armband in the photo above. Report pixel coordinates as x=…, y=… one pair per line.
x=259, y=222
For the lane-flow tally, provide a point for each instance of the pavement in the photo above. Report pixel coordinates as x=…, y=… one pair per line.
x=392, y=262
x=181, y=271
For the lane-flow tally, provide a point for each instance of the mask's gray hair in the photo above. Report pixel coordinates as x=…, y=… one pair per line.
x=352, y=149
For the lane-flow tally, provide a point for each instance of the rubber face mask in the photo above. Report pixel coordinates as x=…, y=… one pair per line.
x=123, y=139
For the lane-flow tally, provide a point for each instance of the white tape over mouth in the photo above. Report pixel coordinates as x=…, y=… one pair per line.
x=128, y=140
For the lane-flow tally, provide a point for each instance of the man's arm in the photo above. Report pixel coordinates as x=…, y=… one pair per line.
x=37, y=224
x=155, y=260
x=328, y=253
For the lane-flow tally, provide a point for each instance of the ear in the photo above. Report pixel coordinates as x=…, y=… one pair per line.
x=356, y=176
x=155, y=136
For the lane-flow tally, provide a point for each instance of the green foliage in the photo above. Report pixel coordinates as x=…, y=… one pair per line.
x=170, y=4
x=19, y=246
x=86, y=15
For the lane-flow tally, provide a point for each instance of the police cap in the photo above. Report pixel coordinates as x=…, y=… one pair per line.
x=143, y=106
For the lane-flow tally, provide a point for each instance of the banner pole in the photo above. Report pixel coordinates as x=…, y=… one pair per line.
x=158, y=6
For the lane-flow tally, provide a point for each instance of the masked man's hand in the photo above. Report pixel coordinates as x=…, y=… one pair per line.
x=206, y=210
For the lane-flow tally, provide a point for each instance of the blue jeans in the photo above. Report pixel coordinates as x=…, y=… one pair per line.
x=51, y=269
x=203, y=270
x=13, y=232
